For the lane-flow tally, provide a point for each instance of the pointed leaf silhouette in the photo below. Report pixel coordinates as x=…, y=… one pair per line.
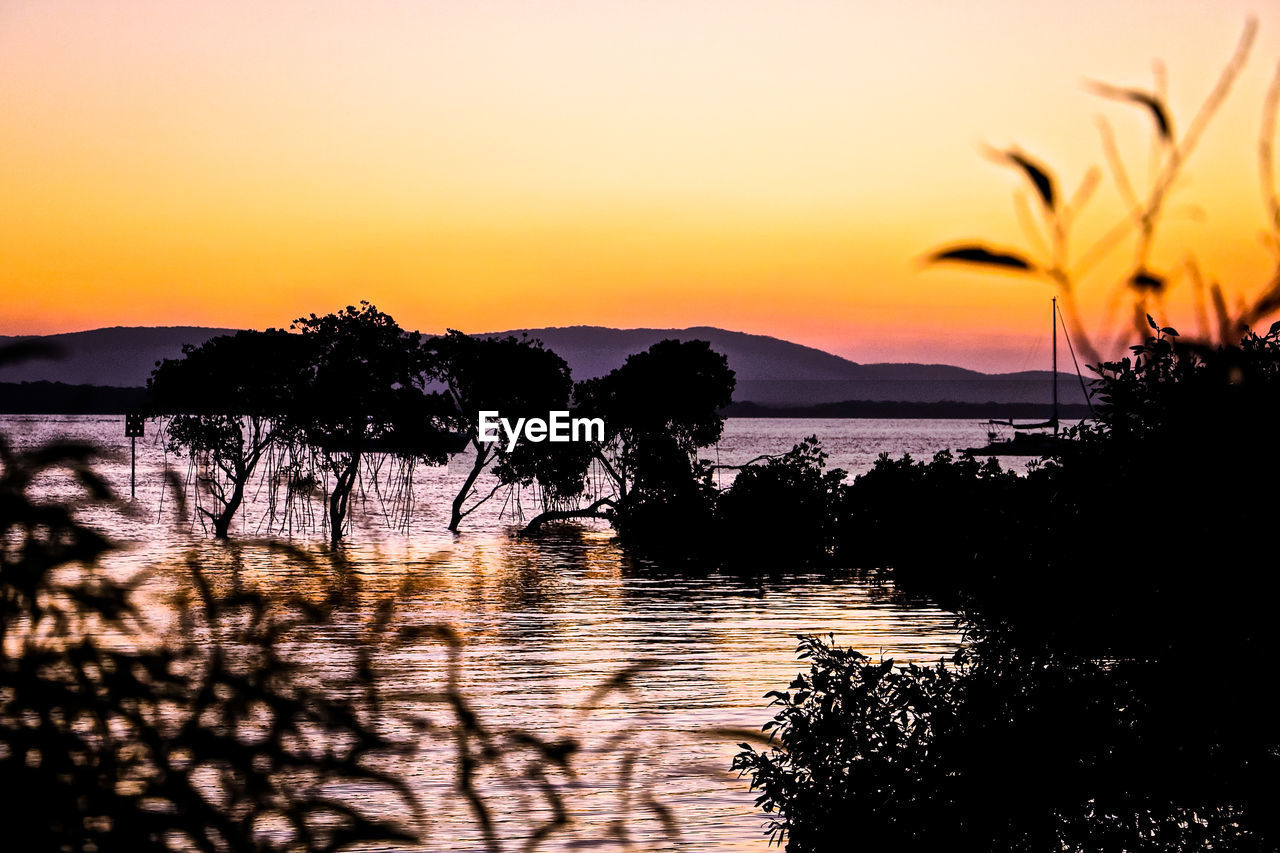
x=1037, y=174
x=978, y=254
x=1152, y=322
x=1275, y=327
x=1158, y=112
x=1145, y=280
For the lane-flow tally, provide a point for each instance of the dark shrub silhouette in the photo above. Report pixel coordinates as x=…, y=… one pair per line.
x=1105, y=593
x=1002, y=751
x=781, y=512
x=1145, y=527
x=940, y=524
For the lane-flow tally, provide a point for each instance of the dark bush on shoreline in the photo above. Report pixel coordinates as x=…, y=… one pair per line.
x=668, y=511
x=1144, y=536
x=1106, y=593
x=906, y=512
x=781, y=512
x=1141, y=536
x=1004, y=751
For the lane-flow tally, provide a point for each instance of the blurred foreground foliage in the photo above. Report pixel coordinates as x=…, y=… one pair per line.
x=214, y=740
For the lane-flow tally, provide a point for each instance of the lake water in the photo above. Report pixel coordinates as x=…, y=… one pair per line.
x=545, y=622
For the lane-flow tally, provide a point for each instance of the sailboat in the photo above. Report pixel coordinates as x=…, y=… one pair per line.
x=1027, y=439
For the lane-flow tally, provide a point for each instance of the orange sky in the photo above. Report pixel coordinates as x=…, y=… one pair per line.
x=775, y=167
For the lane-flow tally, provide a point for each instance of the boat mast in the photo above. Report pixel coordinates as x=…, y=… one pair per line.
x=1054, y=329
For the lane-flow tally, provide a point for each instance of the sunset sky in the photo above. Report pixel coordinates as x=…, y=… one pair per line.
x=775, y=167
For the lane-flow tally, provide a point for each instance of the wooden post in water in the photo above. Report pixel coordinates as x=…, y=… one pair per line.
x=133, y=428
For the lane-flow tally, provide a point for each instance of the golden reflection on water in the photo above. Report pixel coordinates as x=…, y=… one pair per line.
x=543, y=625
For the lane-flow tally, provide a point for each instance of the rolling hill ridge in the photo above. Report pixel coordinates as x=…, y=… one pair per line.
x=769, y=370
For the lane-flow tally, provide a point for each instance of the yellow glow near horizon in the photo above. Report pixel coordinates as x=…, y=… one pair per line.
x=774, y=167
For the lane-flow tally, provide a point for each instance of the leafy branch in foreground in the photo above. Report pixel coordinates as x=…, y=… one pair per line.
x=1146, y=280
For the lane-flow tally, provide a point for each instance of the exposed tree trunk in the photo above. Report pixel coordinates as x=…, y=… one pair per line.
x=222, y=521
x=238, y=471
x=340, y=497
x=591, y=511
x=481, y=460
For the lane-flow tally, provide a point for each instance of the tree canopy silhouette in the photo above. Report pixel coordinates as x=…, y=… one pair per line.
x=361, y=392
x=517, y=378
x=658, y=409
x=227, y=399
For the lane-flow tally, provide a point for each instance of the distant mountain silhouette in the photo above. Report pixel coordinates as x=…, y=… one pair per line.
x=595, y=350
x=770, y=371
x=121, y=356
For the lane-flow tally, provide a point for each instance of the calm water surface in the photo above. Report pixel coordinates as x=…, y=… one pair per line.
x=546, y=622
